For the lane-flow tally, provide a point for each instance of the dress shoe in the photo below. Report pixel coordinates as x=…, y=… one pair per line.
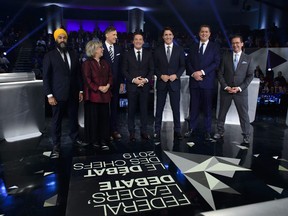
x=116, y=135
x=207, y=137
x=156, y=137
x=96, y=144
x=80, y=143
x=104, y=147
x=178, y=135
x=132, y=137
x=55, y=152
x=145, y=136
x=218, y=136
x=188, y=133
x=246, y=139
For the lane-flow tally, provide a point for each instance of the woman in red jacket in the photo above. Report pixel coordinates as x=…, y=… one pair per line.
x=97, y=95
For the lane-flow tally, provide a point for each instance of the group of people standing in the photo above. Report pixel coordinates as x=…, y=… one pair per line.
x=107, y=68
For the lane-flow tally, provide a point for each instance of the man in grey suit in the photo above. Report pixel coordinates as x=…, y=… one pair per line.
x=235, y=75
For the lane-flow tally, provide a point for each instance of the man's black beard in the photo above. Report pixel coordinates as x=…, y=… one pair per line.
x=62, y=46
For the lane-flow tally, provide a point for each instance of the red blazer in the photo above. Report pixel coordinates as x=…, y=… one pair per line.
x=95, y=75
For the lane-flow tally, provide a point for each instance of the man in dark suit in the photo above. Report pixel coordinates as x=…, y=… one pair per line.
x=169, y=66
x=203, y=60
x=138, y=69
x=112, y=54
x=63, y=87
x=235, y=75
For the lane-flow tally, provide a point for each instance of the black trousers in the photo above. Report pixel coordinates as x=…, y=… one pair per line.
x=58, y=112
x=140, y=96
x=96, y=122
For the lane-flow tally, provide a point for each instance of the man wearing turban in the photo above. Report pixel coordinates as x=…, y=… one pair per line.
x=63, y=88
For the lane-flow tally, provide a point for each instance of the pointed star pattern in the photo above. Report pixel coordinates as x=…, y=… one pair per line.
x=198, y=169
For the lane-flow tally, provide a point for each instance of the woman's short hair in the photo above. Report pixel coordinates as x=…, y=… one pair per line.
x=91, y=47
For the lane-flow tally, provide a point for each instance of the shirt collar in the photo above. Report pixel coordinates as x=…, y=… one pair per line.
x=136, y=50
x=108, y=45
x=166, y=45
x=205, y=43
x=239, y=53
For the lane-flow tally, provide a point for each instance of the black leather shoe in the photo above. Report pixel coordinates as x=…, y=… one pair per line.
x=104, y=146
x=55, y=152
x=246, y=139
x=218, y=136
x=207, y=137
x=178, y=135
x=96, y=144
x=156, y=137
x=80, y=143
x=116, y=136
x=145, y=136
x=132, y=137
x=188, y=134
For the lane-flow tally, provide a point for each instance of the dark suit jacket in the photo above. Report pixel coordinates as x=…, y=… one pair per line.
x=131, y=68
x=241, y=77
x=58, y=79
x=95, y=75
x=176, y=66
x=115, y=66
x=209, y=62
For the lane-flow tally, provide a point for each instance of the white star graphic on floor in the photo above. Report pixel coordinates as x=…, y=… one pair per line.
x=198, y=169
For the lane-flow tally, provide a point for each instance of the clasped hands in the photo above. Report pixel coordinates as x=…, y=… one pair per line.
x=104, y=89
x=166, y=78
x=197, y=75
x=232, y=90
x=139, y=81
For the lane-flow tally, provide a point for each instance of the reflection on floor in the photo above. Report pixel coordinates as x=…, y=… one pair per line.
x=213, y=175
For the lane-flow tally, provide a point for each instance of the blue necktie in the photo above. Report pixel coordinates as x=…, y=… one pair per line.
x=236, y=60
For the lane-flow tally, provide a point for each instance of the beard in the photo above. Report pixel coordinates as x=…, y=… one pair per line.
x=62, y=46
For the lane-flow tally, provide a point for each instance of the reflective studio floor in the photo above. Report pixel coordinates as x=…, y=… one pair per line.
x=218, y=174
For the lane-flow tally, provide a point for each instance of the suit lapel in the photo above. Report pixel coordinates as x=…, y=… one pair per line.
x=208, y=47
x=107, y=55
x=172, y=53
x=61, y=60
x=143, y=56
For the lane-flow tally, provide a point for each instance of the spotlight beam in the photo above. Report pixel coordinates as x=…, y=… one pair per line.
x=31, y=33
x=182, y=21
x=15, y=17
x=212, y=3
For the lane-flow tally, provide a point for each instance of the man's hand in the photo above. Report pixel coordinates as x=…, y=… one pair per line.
x=80, y=97
x=122, y=88
x=172, y=77
x=235, y=90
x=52, y=101
x=232, y=90
x=165, y=78
x=197, y=75
x=140, y=81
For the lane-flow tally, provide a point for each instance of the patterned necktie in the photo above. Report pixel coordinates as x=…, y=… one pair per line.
x=138, y=57
x=201, y=49
x=236, y=60
x=111, y=53
x=168, y=53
